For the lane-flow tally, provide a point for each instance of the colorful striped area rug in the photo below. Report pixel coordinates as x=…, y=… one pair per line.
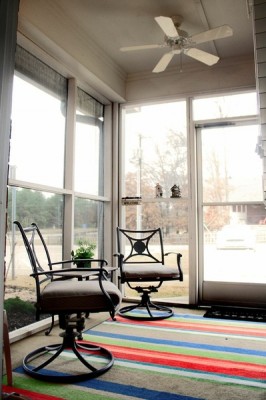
x=184, y=357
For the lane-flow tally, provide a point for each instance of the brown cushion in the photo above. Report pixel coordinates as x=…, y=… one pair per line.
x=152, y=271
x=75, y=296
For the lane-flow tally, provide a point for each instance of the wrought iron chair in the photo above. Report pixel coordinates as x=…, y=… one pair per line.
x=70, y=299
x=42, y=257
x=143, y=262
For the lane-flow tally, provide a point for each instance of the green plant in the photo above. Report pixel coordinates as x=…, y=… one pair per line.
x=84, y=251
x=17, y=305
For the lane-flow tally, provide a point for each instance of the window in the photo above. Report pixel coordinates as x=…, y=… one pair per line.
x=234, y=105
x=27, y=206
x=36, y=161
x=230, y=209
x=89, y=170
x=155, y=142
x=38, y=135
x=38, y=169
x=38, y=122
x=232, y=170
x=88, y=223
x=89, y=145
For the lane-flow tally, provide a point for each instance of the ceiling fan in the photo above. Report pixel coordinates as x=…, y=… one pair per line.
x=180, y=42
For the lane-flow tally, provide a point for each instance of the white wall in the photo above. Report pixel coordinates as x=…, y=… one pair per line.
x=260, y=53
x=8, y=27
x=66, y=44
x=227, y=75
x=78, y=54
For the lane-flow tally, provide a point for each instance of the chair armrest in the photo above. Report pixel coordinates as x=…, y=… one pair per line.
x=178, y=263
x=101, y=261
x=116, y=254
x=120, y=257
x=56, y=272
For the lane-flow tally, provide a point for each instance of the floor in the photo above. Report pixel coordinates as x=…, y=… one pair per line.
x=29, y=342
x=34, y=339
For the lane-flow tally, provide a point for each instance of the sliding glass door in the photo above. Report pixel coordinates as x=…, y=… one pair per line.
x=232, y=217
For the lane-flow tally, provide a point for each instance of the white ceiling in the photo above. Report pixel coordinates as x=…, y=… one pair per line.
x=111, y=24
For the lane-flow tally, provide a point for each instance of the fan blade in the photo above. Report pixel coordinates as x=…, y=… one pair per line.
x=213, y=34
x=202, y=56
x=167, y=25
x=164, y=61
x=144, y=47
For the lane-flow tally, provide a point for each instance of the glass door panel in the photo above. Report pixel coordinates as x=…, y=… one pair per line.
x=232, y=214
x=155, y=148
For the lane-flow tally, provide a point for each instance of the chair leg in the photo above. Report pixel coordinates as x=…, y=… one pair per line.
x=151, y=311
x=35, y=363
x=48, y=331
x=7, y=351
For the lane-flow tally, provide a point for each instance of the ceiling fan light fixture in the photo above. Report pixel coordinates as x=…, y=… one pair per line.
x=179, y=41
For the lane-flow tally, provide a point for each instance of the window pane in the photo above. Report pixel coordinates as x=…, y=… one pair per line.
x=231, y=168
x=172, y=217
x=89, y=146
x=88, y=224
x=225, y=106
x=155, y=149
x=156, y=152
x=27, y=206
x=234, y=243
x=38, y=135
x=233, y=234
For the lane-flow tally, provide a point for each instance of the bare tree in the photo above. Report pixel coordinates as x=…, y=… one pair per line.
x=169, y=167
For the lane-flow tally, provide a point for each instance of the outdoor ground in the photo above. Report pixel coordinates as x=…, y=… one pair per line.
x=17, y=318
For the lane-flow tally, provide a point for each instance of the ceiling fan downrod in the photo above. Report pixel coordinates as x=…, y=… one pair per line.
x=181, y=62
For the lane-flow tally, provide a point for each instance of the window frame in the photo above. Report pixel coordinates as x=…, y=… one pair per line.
x=67, y=191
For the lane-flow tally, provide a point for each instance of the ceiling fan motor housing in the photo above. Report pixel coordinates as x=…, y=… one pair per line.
x=177, y=20
x=179, y=42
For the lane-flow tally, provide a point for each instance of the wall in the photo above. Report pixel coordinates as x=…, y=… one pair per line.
x=66, y=44
x=260, y=59
x=8, y=27
x=226, y=75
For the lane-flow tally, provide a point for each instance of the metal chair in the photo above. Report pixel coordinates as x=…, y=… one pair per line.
x=143, y=262
x=70, y=299
x=43, y=262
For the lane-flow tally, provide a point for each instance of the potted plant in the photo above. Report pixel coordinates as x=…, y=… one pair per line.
x=83, y=252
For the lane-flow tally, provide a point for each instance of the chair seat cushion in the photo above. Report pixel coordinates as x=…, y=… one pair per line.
x=75, y=296
x=149, y=272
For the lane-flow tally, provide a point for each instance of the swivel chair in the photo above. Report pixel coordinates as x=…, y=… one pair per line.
x=70, y=299
x=143, y=263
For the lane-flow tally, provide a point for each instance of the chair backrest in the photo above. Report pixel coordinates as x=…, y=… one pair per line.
x=38, y=253
x=141, y=246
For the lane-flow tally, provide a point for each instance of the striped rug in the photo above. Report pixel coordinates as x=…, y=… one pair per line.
x=185, y=357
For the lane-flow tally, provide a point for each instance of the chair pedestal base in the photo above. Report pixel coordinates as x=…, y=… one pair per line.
x=86, y=353
x=151, y=311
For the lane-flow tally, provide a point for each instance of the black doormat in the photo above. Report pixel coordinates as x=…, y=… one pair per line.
x=238, y=313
